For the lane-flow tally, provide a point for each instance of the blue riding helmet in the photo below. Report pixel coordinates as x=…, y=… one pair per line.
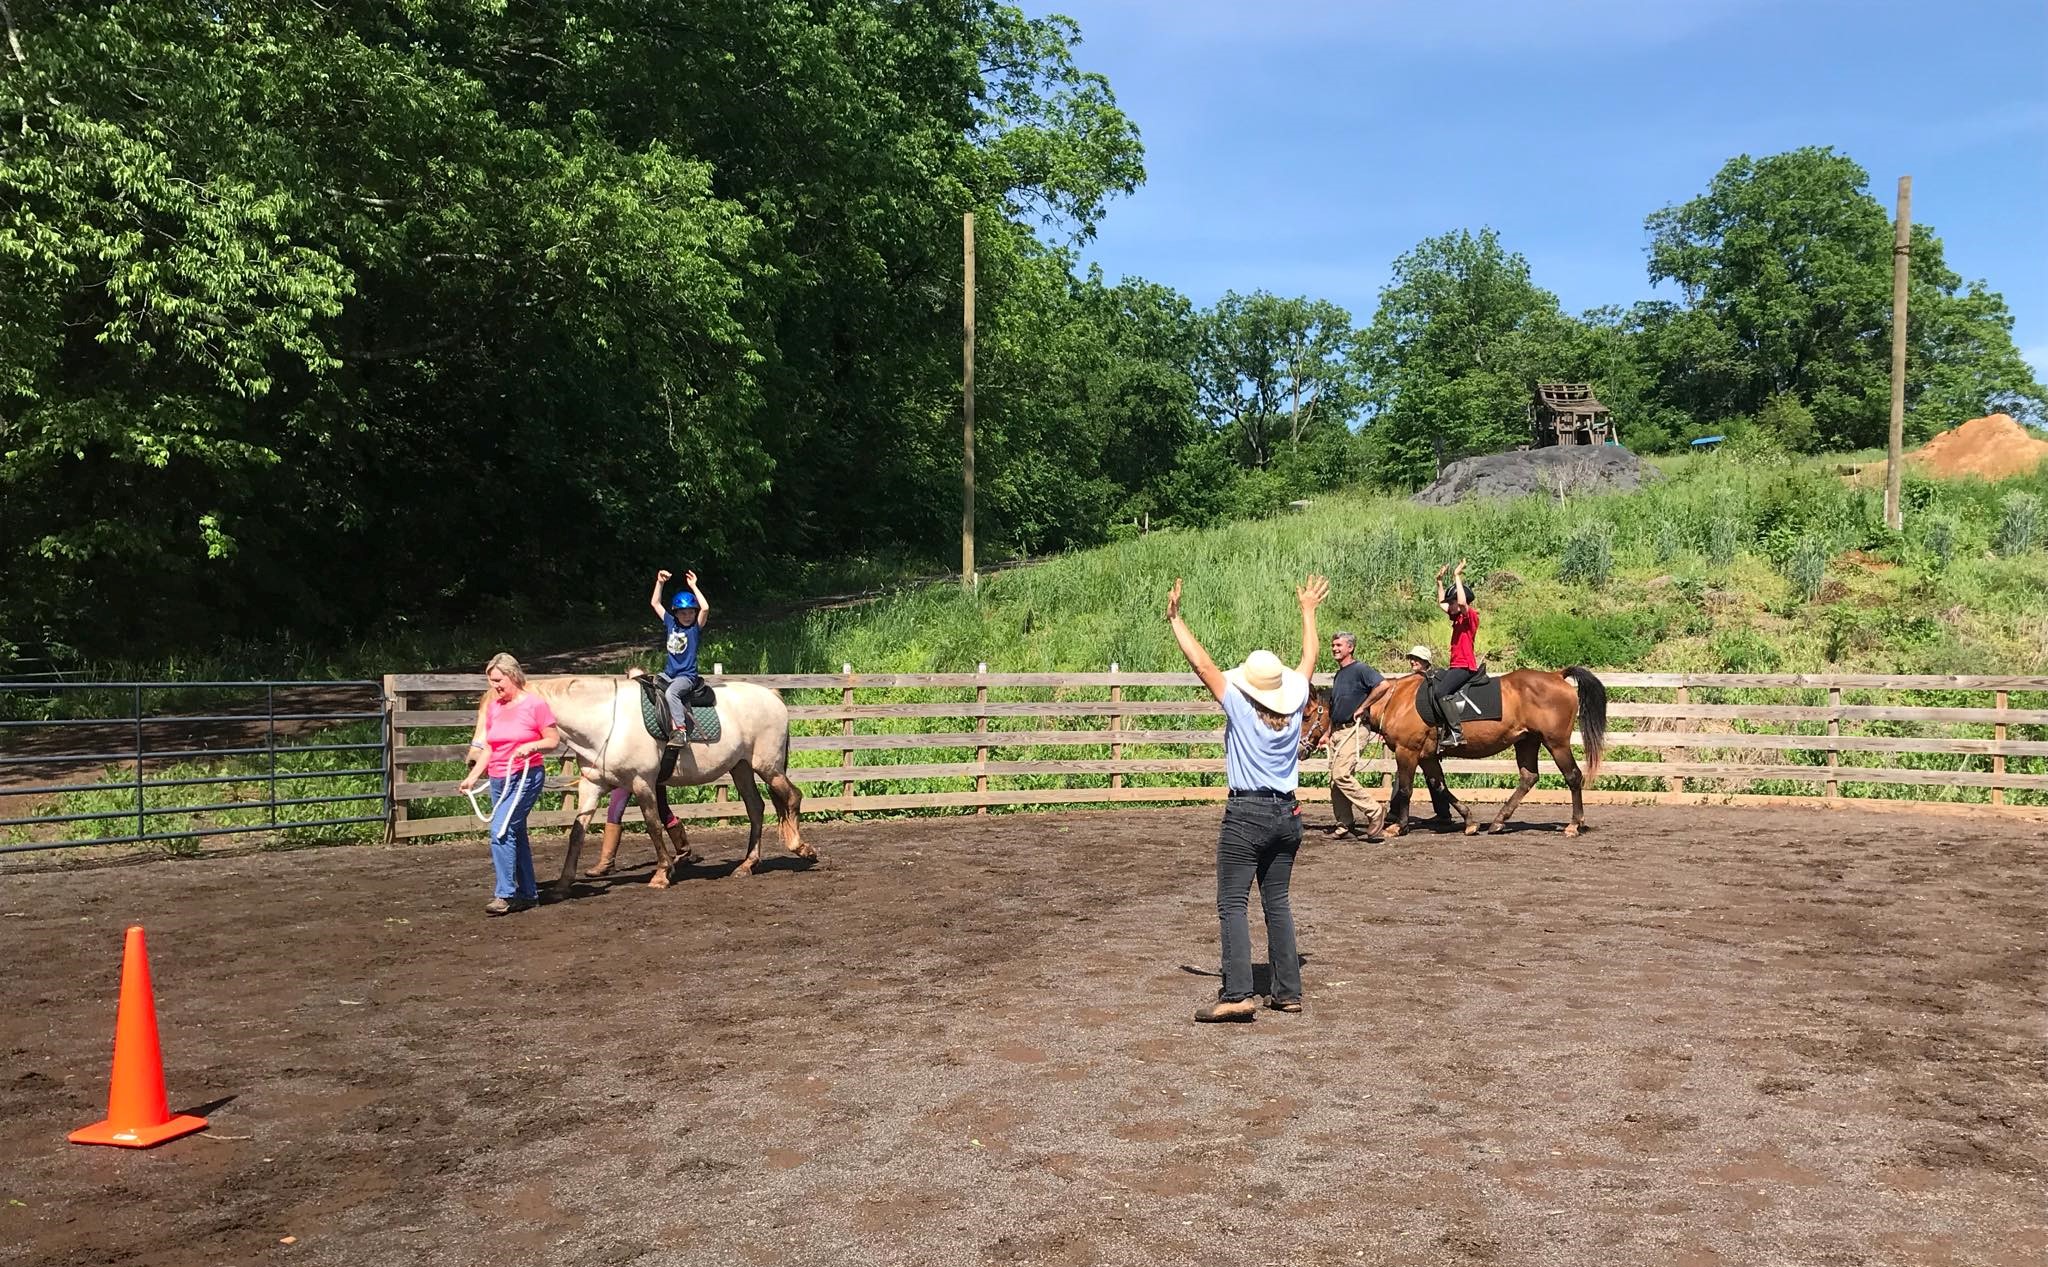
x=682, y=601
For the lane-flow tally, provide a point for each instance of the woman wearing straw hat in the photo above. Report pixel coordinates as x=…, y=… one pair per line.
x=1262, y=701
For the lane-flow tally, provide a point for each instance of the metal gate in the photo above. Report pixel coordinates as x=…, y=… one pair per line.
x=111, y=763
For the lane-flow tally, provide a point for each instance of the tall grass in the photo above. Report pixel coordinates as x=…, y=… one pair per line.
x=1088, y=610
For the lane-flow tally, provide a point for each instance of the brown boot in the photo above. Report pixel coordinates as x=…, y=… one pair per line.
x=1219, y=1010
x=605, y=856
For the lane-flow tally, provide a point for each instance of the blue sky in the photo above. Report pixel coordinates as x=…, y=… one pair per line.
x=1300, y=147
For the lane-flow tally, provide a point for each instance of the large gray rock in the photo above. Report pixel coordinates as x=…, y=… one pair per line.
x=1587, y=468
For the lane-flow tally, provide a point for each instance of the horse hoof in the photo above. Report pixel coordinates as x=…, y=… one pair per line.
x=1471, y=829
x=597, y=873
x=745, y=868
x=1572, y=829
x=803, y=851
x=1496, y=829
x=1391, y=830
x=659, y=880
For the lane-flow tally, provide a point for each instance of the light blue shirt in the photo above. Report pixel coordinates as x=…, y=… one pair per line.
x=1255, y=756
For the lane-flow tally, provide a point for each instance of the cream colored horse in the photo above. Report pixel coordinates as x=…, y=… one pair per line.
x=599, y=718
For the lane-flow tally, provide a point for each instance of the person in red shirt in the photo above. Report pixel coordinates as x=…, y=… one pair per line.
x=1464, y=663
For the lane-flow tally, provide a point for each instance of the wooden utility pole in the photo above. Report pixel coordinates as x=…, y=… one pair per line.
x=967, y=579
x=1902, y=256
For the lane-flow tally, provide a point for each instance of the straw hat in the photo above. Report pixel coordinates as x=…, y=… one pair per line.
x=1420, y=653
x=1270, y=683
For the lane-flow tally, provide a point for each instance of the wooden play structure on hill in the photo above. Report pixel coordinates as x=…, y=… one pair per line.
x=1569, y=413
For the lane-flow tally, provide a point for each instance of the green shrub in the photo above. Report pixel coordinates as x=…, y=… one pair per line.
x=1588, y=557
x=1939, y=536
x=1745, y=651
x=1724, y=535
x=1788, y=421
x=1561, y=639
x=1806, y=566
x=2019, y=523
x=1666, y=541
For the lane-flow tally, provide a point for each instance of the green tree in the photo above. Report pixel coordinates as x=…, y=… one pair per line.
x=1273, y=371
x=1460, y=338
x=297, y=300
x=1784, y=268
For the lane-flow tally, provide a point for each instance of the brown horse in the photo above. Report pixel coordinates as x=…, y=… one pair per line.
x=1538, y=710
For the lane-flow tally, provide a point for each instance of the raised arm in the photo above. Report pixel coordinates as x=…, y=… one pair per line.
x=1442, y=599
x=654, y=599
x=1311, y=595
x=1458, y=580
x=703, y=603
x=1191, y=647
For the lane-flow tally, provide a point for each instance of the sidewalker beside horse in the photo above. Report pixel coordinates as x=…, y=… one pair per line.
x=1538, y=710
x=600, y=720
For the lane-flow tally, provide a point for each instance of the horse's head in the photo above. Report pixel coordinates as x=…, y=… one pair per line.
x=1315, y=721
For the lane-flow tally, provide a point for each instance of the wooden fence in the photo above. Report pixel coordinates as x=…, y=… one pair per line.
x=1841, y=739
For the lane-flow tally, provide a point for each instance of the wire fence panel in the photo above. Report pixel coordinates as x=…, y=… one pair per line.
x=172, y=763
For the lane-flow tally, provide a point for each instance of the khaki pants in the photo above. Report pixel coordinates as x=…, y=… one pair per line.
x=1348, y=796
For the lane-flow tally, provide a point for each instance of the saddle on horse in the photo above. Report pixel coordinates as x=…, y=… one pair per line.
x=700, y=713
x=1478, y=699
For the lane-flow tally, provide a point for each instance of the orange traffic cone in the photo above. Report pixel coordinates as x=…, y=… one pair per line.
x=137, y=1114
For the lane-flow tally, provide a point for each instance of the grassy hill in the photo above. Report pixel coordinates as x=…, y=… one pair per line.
x=1726, y=565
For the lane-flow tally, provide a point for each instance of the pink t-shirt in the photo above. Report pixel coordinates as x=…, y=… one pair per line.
x=506, y=726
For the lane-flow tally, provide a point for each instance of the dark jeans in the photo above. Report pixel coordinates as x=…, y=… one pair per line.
x=1447, y=683
x=1259, y=839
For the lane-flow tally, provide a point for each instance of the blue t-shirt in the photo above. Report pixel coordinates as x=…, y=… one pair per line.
x=680, y=642
x=1255, y=756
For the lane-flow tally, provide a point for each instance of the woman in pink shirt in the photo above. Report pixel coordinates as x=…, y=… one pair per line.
x=515, y=730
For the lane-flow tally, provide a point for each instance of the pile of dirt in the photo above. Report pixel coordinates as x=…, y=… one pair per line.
x=1990, y=448
x=1555, y=471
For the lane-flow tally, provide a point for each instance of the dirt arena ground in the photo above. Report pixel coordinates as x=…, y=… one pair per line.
x=1690, y=1037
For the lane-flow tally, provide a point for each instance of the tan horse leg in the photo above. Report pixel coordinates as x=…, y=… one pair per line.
x=1567, y=765
x=789, y=803
x=650, y=813
x=588, y=794
x=750, y=796
x=1527, y=748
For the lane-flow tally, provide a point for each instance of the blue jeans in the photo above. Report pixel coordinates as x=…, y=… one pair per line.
x=512, y=799
x=680, y=688
x=1259, y=839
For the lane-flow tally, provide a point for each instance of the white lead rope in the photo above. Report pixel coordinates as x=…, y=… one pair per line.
x=527, y=764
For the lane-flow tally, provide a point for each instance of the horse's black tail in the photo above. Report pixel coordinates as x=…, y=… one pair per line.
x=1592, y=716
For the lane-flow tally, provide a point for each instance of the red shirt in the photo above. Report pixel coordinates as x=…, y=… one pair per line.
x=1465, y=640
